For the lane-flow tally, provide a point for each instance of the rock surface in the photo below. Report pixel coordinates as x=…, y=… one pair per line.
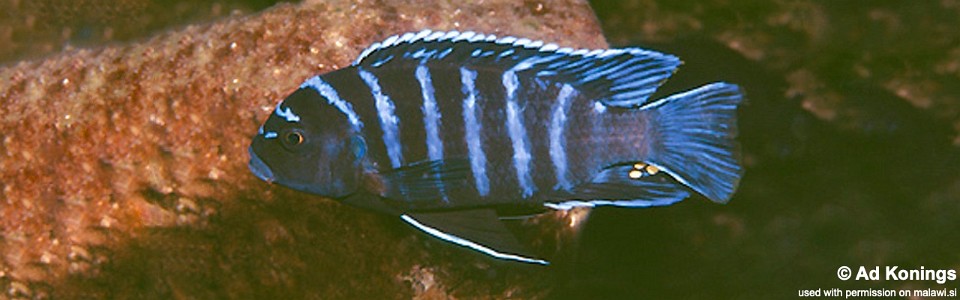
x=124, y=167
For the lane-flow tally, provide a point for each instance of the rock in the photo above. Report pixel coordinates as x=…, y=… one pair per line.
x=124, y=167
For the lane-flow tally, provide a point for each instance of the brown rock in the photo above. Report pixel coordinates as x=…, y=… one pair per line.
x=124, y=168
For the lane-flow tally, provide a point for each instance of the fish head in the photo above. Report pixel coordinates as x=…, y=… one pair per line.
x=309, y=145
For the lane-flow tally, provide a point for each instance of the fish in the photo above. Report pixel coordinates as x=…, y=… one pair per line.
x=453, y=132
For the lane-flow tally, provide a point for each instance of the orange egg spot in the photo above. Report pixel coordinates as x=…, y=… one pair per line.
x=652, y=169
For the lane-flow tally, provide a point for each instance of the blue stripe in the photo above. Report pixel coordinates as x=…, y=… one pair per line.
x=599, y=108
x=431, y=116
x=478, y=159
x=518, y=134
x=388, y=120
x=558, y=152
x=431, y=119
x=469, y=244
x=597, y=128
x=287, y=113
x=333, y=98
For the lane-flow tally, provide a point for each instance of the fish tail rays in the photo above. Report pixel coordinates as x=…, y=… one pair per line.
x=693, y=138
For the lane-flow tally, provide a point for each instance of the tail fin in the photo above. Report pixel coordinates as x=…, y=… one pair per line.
x=694, y=136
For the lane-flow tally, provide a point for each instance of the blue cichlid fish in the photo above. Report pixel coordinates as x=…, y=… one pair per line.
x=448, y=130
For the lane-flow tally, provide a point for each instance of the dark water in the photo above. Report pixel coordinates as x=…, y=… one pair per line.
x=34, y=29
x=875, y=186
x=842, y=169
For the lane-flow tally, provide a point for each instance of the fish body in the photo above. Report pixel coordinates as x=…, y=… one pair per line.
x=444, y=128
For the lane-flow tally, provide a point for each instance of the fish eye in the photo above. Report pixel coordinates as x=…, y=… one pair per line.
x=292, y=139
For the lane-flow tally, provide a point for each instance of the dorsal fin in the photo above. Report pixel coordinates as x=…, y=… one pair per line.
x=617, y=77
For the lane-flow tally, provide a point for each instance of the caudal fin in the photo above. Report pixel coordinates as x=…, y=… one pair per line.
x=694, y=138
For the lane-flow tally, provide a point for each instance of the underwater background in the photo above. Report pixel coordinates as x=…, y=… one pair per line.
x=850, y=139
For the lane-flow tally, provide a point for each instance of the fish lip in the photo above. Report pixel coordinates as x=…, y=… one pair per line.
x=260, y=169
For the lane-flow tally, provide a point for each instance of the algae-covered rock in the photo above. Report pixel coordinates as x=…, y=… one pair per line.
x=124, y=167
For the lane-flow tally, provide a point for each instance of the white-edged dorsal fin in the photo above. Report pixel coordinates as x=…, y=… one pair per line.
x=617, y=77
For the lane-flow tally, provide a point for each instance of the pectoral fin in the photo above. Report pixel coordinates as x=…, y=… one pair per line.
x=478, y=229
x=424, y=180
x=368, y=200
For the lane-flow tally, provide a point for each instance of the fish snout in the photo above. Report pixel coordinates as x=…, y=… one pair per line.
x=259, y=168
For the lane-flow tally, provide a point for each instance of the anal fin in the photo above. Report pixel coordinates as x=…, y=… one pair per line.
x=627, y=185
x=477, y=229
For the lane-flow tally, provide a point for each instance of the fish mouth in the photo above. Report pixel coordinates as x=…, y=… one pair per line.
x=259, y=169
